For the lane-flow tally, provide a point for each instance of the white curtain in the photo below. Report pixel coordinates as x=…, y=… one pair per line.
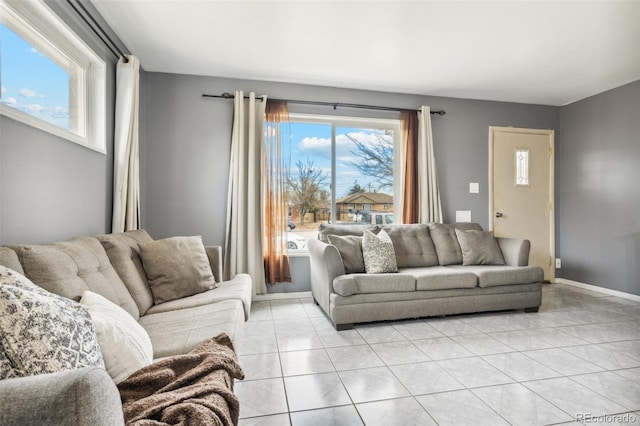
x=429, y=192
x=126, y=169
x=243, y=248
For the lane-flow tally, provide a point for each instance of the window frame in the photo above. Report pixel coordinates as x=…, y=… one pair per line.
x=39, y=26
x=356, y=122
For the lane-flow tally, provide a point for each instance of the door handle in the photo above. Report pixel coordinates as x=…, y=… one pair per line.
x=498, y=214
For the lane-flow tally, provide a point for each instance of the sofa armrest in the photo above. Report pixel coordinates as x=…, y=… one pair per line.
x=515, y=251
x=85, y=396
x=214, y=253
x=326, y=264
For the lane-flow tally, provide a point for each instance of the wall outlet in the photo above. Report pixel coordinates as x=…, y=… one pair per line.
x=474, y=187
x=558, y=263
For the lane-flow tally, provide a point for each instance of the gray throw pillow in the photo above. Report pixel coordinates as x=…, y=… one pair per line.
x=350, y=248
x=446, y=242
x=479, y=248
x=378, y=253
x=176, y=267
x=41, y=332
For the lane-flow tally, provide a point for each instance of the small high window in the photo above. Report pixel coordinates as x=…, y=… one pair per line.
x=49, y=78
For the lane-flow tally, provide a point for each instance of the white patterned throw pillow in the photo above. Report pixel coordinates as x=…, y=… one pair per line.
x=378, y=253
x=41, y=332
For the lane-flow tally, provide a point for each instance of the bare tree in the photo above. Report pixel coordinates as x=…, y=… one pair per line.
x=305, y=188
x=376, y=159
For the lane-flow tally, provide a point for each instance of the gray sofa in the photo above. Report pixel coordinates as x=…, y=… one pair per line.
x=430, y=281
x=110, y=265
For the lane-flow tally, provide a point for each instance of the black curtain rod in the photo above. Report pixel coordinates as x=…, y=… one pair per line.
x=332, y=104
x=102, y=35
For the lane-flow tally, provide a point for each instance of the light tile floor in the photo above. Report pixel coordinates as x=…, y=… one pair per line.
x=578, y=357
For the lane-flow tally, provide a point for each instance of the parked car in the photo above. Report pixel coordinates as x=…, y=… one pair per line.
x=376, y=218
x=296, y=241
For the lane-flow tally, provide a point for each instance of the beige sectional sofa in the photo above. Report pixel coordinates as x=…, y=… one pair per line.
x=110, y=265
x=431, y=278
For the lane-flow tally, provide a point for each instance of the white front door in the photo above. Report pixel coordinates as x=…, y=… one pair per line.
x=521, y=190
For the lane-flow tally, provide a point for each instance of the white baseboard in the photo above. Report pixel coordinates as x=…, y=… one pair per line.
x=608, y=291
x=277, y=296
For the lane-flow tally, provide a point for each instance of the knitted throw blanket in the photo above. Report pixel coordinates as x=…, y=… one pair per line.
x=191, y=389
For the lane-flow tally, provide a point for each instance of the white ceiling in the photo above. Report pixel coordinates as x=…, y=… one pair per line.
x=551, y=53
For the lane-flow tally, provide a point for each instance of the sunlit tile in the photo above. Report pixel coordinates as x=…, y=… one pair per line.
x=425, y=377
x=372, y=384
x=392, y=412
x=399, y=353
x=261, y=397
x=520, y=367
x=520, y=406
x=345, y=415
x=315, y=391
x=474, y=372
x=352, y=357
x=442, y=348
x=459, y=408
x=260, y=366
x=563, y=362
x=378, y=333
x=624, y=391
x=305, y=362
x=573, y=398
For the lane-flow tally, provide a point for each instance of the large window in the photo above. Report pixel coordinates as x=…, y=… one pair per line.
x=342, y=170
x=49, y=78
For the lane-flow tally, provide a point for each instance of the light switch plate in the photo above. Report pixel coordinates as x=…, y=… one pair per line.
x=474, y=187
x=463, y=216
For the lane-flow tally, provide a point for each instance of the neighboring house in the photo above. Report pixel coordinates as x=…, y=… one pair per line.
x=356, y=207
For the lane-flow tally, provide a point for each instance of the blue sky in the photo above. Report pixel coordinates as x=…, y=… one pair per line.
x=31, y=82
x=313, y=141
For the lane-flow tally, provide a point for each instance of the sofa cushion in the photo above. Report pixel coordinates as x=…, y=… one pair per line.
x=177, y=332
x=350, y=248
x=378, y=253
x=124, y=254
x=489, y=276
x=41, y=332
x=327, y=229
x=447, y=297
x=125, y=345
x=347, y=285
x=413, y=245
x=446, y=242
x=9, y=258
x=71, y=267
x=177, y=267
x=479, y=248
x=441, y=278
x=238, y=288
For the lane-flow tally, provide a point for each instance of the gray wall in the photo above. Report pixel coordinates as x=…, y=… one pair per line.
x=186, y=149
x=52, y=189
x=599, y=189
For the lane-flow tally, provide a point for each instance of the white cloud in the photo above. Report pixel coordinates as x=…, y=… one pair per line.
x=316, y=147
x=3, y=89
x=27, y=93
x=58, y=112
x=35, y=107
x=11, y=100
